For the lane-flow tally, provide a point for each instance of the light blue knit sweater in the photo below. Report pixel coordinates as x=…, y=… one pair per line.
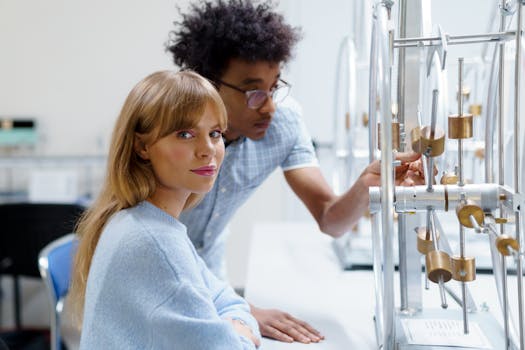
x=148, y=289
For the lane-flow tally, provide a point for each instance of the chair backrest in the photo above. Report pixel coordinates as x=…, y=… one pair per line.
x=55, y=262
x=27, y=228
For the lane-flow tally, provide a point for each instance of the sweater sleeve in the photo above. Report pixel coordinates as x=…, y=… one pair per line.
x=227, y=303
x=146, y=294
x=194, y=324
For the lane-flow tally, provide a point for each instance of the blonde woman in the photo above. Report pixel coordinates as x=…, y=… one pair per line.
x=137, y=280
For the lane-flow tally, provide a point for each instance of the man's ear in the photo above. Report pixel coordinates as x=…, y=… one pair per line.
x=140, y=146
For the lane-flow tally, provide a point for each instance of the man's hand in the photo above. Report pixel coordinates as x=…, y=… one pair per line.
x=282, y=326
x=409, y=173
x=242, y=329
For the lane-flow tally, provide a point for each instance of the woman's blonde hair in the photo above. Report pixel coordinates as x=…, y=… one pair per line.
x=160, y=104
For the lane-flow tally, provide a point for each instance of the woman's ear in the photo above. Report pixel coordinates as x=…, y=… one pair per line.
x=140, y=146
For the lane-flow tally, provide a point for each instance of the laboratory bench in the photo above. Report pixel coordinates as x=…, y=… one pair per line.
x=293, y=267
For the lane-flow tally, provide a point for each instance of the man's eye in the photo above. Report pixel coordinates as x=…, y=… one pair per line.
x=216, y=134
x=184, y=134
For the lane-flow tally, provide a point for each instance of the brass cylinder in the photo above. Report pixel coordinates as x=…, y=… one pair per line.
x=364, y=119
x=465, y=92
x=438, y=266
x=449, y=178
x=425, y=245
x=435, y=144
x=463, y=269
x=460, y=127
x=395, y=135
x=468, y=208
x=504, y=242
x=475, y=109
x=480, y=153
x=415, y=139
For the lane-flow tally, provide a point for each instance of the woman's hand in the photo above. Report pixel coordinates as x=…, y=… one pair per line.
x=242, y=329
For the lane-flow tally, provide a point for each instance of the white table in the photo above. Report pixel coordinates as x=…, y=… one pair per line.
x=293, y=267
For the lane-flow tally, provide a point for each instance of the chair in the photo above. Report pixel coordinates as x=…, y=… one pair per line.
x=55, y=262
x=26, y=229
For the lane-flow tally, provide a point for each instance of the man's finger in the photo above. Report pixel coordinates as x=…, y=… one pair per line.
x=407, y=157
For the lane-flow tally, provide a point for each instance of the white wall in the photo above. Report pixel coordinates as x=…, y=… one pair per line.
x=70, y=65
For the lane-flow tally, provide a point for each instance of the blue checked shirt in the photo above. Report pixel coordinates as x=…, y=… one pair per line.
x=247, y=163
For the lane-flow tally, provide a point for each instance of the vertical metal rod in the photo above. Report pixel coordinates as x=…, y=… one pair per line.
x=461, y=183
x=433, y=230
x=432, y=227
x=460, y=113
x=442, y=294
x=501, y=172
x=519, y=275
x=501, y=111
x=401, y=224
x=430, y=160
x=429, y=227
x=427, y=287
x=505, y=302
x=435, y=95
x=429, y=176
x=517, y=106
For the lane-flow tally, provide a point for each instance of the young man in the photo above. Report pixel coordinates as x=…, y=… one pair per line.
x=240, y=46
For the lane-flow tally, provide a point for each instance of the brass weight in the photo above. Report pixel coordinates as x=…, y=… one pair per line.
x=415, y=137
x=449, y=178
x=463, y=269
x=364, y=119
x=425, y=245
x=475, y=109
x=434, y=145
x=504, y=242
x=460, y=127
x=395, y=135
x=438, y=266
x=468, y=208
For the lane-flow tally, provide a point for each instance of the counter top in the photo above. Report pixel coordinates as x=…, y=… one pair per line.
x=293, y=267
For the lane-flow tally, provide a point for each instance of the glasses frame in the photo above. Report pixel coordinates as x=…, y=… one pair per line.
x=249, y=93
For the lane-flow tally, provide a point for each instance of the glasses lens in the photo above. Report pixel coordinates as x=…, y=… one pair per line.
x=256, y=98
x=280, y=93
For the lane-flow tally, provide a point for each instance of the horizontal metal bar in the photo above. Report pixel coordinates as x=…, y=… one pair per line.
x=454, y=40
x=421, y=44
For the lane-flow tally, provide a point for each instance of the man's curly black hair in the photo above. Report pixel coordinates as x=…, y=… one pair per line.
x=213, y=32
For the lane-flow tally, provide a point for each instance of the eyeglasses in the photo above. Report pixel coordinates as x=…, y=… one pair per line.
x=255, y=99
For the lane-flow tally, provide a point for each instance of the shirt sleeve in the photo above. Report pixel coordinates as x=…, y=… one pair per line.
x=302, y=153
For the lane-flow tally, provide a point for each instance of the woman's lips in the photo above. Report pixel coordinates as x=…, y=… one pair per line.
x=263, y=125
x=205, y=171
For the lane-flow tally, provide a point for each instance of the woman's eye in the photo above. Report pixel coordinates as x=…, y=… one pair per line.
x=184, y=134
x=216, y=134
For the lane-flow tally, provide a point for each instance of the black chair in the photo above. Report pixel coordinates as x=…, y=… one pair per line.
x=26, y=228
